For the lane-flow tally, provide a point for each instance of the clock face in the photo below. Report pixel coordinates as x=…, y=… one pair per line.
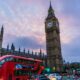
x=49, y=25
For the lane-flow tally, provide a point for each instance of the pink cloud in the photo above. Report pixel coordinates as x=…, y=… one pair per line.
x=68, y=29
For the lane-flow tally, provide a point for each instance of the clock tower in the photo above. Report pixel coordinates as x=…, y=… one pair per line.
x=53, y=45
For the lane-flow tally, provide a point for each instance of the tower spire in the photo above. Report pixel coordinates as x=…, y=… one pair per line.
x=50, y=7
x=50, y=11
x=2, y=31
x=12, y=47
x=50, y=4
x=1, y=36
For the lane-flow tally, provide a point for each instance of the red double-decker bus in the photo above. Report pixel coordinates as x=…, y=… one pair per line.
x=19, y=68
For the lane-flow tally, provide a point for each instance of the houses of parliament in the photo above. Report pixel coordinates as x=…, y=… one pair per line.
x=53, y=57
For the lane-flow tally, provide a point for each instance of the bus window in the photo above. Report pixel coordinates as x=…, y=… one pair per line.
x=18, y=66
x=15, y=60
x=2, y=62
x=20, y=72
x=9, y=59
x=20, y=60
x=30, y=62
x=5, y=60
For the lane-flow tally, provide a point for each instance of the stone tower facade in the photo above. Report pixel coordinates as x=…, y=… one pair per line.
x=53, y=45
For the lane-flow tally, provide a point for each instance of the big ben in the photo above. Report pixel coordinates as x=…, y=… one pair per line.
x=53, y=45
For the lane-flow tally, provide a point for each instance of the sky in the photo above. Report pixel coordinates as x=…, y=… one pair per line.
x=23, y=22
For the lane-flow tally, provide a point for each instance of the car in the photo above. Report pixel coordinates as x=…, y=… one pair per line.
x=55, y=76
x=51, y=77
x=40, y=77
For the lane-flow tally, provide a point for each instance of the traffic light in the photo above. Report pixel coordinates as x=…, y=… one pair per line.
x=47, y=69
x=53, y=68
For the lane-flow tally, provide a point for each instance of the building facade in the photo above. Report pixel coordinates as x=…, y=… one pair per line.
x=53, y=45
x=11, y=50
